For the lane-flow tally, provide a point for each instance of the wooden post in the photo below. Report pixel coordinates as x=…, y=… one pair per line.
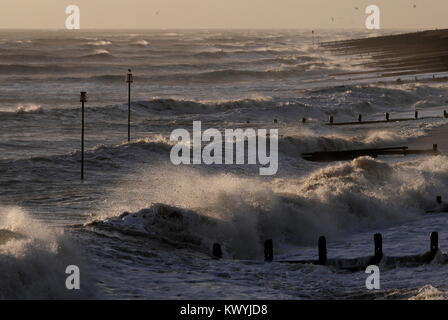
x=360, y=118
x=439, y=199
x=83, y=99
x=434, y=247
x=322, y=244
x=268, y=251
x=129, y=80
x=416, y=115
x=303, y=120
x=331, y=120
x=217, y=251
x=378, y=240
x=435, y=147
x=445, y=114
x=275, y=121
x=387, y=116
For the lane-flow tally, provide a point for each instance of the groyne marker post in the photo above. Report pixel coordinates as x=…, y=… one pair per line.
x=83, y=99
x=378, y=240
x=129, y=80
x=434, y=247
x=322, y=244
x=268, y=250
x=217, y=251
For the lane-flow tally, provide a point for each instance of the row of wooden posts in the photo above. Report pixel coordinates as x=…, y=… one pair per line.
x=83, y=100
x=322, y=251
x=331, y=121
x=327, y=156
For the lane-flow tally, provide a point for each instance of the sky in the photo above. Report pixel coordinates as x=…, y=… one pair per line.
x=226, y=14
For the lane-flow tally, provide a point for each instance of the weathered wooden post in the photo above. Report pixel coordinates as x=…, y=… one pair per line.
x=416, y=115
x=445, y=114
x=129, y=80
x=434, y=247
x=439, y=199
x=217, y=251
x=303, y=120
x=435, y=147
x=322, y=244
x=359, y=117
x=378, y=240
x=83, y=99
x=268, y=250
x=331, y=120
x=387, y=116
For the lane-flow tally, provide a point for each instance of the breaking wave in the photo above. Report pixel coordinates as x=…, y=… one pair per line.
x=29, y=108
x=34, y=258
x=241, y=212
x=141, y=43
x=99, y=43
x=99, y=54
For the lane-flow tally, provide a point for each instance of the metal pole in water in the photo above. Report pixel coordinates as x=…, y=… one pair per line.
x=129, y=80
x=83, y=99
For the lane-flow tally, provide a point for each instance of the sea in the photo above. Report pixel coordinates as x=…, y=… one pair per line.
x=140, y=227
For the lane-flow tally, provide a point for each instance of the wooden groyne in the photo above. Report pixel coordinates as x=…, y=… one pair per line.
x=328, y=156
x=361, y=263
x=387, y=119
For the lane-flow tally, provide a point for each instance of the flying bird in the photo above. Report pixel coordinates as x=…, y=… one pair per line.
x=157, y=12
x=356, y=8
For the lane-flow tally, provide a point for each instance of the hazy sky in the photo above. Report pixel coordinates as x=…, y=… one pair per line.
x=223, y=13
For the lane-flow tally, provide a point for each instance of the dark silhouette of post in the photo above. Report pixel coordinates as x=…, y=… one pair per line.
x=129, y=80
x=439, y=199
x=434, y=247
x=268, y=250
x=322, y=251
x=387, y=116
x=378, y=239
x=83, y=100
x=217, y=251
x=416, y=115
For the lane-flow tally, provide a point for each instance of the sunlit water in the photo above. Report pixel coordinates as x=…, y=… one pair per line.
x=239, y=79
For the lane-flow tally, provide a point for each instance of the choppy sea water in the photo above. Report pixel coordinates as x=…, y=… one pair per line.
x=239, y=79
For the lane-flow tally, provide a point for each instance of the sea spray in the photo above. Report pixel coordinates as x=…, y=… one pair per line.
x=348, y=197
x=34, y=258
